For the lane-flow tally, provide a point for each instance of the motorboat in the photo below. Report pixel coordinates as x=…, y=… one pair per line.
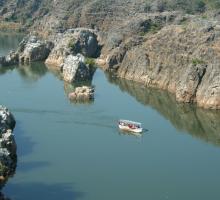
x=131, y=126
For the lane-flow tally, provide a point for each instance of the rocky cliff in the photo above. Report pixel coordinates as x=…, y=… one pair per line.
x=167, y=44
x=200, y=123
x=8, y=157
x=183, y=59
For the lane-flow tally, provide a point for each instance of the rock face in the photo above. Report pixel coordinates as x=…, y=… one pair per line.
x=152, y=42
x=71, y=52
x=32, y=49
x=73, y=41
x=82, y=94
x=183, y=59
x=75, y=69
x=8, y=156
x=10, y=59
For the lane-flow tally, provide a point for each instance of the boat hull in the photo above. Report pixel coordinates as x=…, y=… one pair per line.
x=126, y=128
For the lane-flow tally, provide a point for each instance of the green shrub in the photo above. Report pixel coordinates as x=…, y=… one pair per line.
x=151, y=27
x=72, y=44
x=154, y=28
x=197, y=61
x=90, y=61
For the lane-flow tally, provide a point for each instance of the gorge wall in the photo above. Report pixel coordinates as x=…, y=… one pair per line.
x=171, y=45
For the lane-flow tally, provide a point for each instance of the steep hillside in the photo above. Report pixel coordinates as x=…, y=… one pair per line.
x=49, y=15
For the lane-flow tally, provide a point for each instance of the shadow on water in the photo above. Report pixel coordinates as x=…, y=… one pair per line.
x=36, y=191
x=200, y=123
x=29, y=166
x=27, y=144
x=4, y=70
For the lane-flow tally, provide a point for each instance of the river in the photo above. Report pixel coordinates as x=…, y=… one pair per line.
x=75, y=151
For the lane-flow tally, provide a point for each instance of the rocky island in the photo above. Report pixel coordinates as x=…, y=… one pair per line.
x=171, y=45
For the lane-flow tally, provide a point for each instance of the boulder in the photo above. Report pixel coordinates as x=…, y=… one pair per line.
x=82, y=94
x=75, y=69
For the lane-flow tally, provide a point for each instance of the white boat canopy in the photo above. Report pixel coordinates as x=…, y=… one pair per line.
x=129, y=122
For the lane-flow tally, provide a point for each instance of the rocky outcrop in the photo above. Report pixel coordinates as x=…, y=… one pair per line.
x=72, y=42
x=10, y=59
x=71, y=53
x=82, y=94
x=152, y=42
x=7, y=145
x=32, y=49
x=183, y=59
x=75, y=69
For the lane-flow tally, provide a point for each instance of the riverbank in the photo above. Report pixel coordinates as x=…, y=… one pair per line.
x=155, y=44
x=63, y=146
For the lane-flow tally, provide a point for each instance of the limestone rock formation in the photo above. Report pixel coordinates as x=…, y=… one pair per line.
x=32, y=49
x=8, y=156
x=73, y=41
x=82, y=94
x=75, y=69
x=10, y=59
x=183, y=59
x=155, y=42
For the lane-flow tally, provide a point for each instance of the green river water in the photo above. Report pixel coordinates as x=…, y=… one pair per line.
x=74, y=151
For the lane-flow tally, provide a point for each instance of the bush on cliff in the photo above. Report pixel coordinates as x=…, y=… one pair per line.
x=90, y=62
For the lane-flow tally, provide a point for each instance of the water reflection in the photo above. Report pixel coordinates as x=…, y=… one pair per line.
x=32, y=72
x=55, y=71
x=9, y=41
x=204, y=124
x=70, y=87
x=4, y=70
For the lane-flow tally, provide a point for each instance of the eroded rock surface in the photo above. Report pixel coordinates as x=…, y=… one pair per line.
x=32, y=49
x=75, y=69
x=82, y=94
x=8, y=156
x=183, y=59
x=74, y=41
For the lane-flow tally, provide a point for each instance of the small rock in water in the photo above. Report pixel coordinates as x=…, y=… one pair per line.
x=82, y=94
